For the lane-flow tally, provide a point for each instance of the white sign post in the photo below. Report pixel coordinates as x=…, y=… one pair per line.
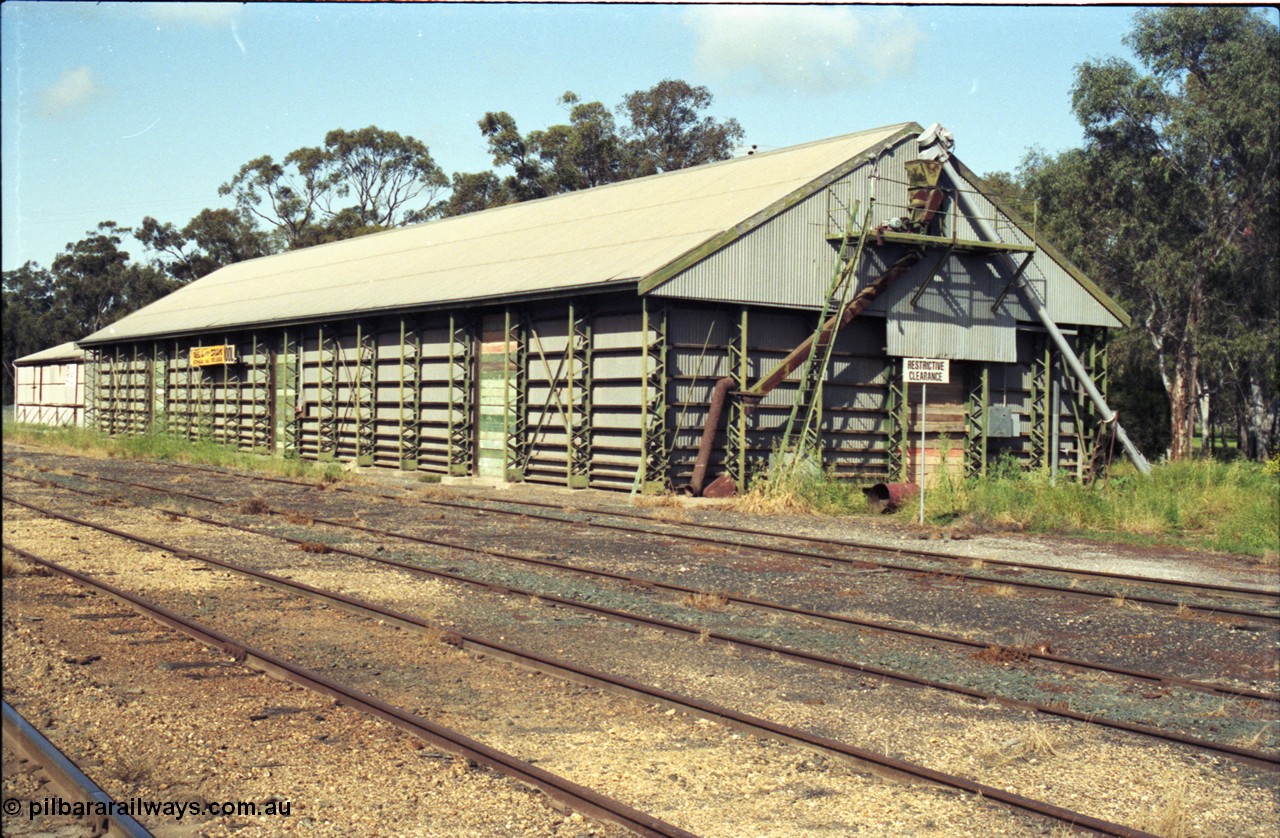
x=924, y=371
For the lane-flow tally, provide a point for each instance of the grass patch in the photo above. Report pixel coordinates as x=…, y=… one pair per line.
x=799, y=488
x=254, y=506
x=164, y=448
x=1232, y=507
x=1201, y=504
x=705, y=601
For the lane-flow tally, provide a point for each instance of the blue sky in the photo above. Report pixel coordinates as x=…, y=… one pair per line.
x=121, y=110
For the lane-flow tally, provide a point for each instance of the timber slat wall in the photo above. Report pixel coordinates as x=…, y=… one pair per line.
x=342, y=386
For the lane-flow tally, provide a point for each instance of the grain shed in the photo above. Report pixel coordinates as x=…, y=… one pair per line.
x=49, y=386
x=586, y=339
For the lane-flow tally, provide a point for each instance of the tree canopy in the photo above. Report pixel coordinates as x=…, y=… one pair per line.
x=1172, y=204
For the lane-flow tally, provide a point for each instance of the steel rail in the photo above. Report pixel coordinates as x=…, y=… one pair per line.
x=907, y=552
x=1255, y=757
x=577, y=797
x=826, y=557
x=475, y=505
x=1200, y=686
x=28, y=742
x=723, y=715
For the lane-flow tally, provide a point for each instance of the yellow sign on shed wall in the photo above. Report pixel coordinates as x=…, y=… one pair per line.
x=208, y=356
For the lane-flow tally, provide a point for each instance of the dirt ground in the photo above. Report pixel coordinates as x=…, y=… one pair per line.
x=153, y=714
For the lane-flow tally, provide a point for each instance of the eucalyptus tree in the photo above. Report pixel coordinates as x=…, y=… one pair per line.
x=97, y=283
x=356, y=182
x=1173, y=201
x=213, y=239
x=665, y=130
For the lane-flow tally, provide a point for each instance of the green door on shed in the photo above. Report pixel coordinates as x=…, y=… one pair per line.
x=496, y=394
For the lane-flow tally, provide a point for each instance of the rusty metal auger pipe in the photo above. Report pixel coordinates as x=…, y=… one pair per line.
x=791, y=363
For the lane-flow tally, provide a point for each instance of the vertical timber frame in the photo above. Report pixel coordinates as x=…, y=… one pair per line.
x=92, y=374
x=327, y=395
x=159, y=389
x=897, y=421
x=515, y=397
x=232, y=403
x=578, y=381
x=461, y=397
x=410, y=414
x=655, y=456
x=261, y=421
x=365, y=393
x=1091, y=347
x=288, y=390
x=139, y=391
x=735, y=459
x=179, y=419
x=1040, y=404
x=114, y=410
x=978, y=385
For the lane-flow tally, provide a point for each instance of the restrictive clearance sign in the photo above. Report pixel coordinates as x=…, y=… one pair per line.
x=926, y=371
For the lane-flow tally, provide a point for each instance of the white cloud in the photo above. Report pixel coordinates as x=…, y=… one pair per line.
x=67, y=98
x=802, y=47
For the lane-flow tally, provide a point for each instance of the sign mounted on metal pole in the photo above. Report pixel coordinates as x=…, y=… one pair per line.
x=924, y=371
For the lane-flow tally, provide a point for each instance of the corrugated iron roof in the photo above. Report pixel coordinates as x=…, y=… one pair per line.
x=593, y=238
x=68, y=351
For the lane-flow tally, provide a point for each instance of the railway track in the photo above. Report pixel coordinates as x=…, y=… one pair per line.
x=671, y=529
x=1248, y=755
x=952, y=564
x=576, y=797
x=67, y=777
x=778, y=607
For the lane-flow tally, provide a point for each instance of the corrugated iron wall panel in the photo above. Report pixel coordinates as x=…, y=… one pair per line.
x=789, y=262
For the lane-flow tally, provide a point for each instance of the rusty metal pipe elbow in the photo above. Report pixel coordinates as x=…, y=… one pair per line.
x=714, y=409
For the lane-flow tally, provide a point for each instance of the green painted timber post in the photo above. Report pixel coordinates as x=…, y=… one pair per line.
x=515, y=398
x=1039, y=402
x=366, y=391
x=288, y=421
x=655, y=457
x=736, y=437
x=579, y=391
x=976, y=416
x=327, y=398
x=461, y=398
x=410, y=395
x=260, y=393
x=91, y=411
x=896, y=422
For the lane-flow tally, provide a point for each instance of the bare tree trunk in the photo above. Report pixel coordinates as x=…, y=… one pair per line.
x=1205, y=421
x=1259, y=420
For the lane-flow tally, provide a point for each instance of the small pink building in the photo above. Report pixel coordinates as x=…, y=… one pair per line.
x=49, y=386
